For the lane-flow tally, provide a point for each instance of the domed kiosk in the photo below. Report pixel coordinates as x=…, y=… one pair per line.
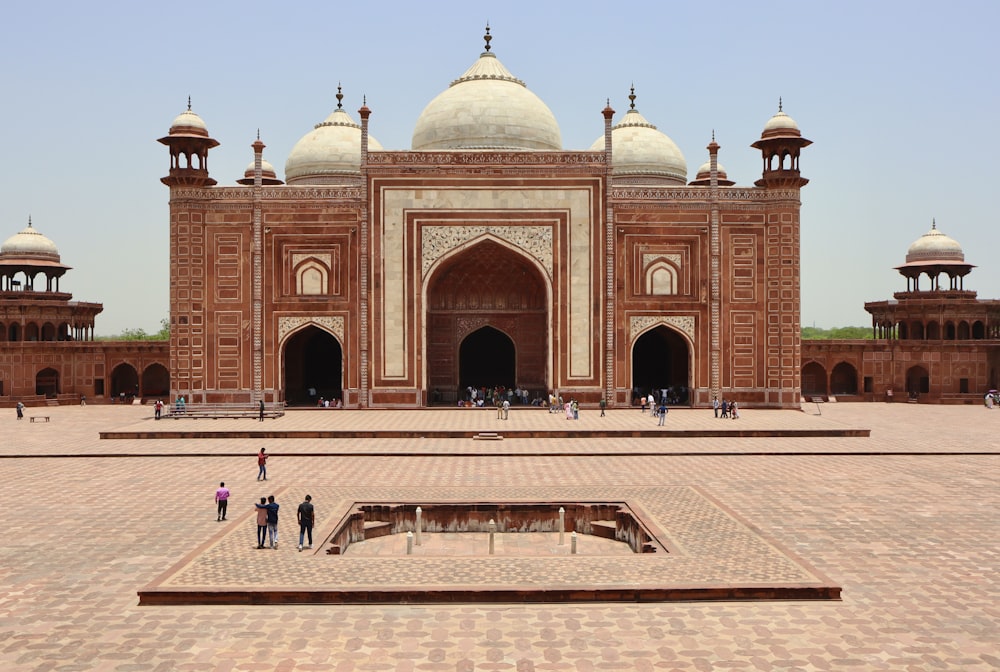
x=331, y=152
x=932, y=254
x=642, y=154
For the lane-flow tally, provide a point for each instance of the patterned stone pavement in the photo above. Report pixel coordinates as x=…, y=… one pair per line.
x=911, y=537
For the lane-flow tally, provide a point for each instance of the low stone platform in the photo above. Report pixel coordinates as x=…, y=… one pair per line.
x=713, y=555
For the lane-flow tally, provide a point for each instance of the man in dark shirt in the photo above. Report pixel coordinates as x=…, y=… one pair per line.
x=306, y=515
x=272, y=519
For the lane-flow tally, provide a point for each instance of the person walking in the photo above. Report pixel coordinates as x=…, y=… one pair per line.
x=604, y=405
x=662, y=411
x=506, y=409
x=272, y=519
x=261, y=522
x=221, y=501
x=20, y=410
x=715, y=405
x=262, y=410
x=734, y=410
x=262, y=464
x=306, y=515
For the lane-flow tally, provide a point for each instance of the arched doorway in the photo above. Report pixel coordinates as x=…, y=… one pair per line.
x=660, y=361
x=487, y=323
x=844, y=379
x=814, y=380
x=156, y=381
x=47, y=382
x=313, y=361
x=486, y=358
x=124, y=382
x=918, y=381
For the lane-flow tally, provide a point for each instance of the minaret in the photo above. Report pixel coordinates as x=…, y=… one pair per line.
x=189, y=143
x=780, y=143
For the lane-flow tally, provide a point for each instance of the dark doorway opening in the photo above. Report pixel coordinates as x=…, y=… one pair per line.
x=124, y=383
x=47, y=382
x=314, y=366
x=486, y=359
x=660, y=362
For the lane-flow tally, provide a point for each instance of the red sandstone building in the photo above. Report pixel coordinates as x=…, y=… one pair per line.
x=486, y=254
x=935, y=344
x=47, y=349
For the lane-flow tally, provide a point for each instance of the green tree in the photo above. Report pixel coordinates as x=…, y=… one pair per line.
x=817, y=334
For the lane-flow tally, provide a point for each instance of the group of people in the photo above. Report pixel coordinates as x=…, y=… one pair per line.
x=726, y=408
x=496, y=395
x=267, y=512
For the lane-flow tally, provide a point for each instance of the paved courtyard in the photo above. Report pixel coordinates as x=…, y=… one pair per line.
x=905, y=521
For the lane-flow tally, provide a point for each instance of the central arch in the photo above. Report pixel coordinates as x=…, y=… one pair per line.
x=661, y=361
x=486, y=316
x=313, y=363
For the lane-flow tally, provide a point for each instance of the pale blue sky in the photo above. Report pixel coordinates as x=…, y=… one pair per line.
x=901, y=100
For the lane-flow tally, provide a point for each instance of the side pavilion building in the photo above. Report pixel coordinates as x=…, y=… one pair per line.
x=486, y=254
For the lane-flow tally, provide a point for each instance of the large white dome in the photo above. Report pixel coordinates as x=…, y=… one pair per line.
x=330, y=153
x=642, y=154
x=487, y=108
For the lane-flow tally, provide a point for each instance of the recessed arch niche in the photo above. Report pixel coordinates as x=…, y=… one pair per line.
x=486, y=285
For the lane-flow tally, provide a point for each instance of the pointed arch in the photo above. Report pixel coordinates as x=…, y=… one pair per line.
x=486, y=282
x=312, y=277
x=661, y=278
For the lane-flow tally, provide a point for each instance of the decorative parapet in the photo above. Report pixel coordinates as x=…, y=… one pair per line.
x=484, y=157
x=276, y=193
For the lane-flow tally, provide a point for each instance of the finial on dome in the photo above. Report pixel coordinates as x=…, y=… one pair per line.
x=631, y=97
x=189, y=103
x=933, y=223
x=779, y=103
x=340, y=97
x=29, y=221
x=258, y=134
x=487, y=36
x=713, y=135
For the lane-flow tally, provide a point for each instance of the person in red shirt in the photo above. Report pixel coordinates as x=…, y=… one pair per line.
x=262, y=465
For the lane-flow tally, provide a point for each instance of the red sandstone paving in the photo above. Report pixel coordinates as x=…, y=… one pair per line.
x=912, y=539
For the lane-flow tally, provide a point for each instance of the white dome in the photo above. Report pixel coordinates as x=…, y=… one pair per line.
x=780, y=125
x=487, y=108
x=935, y=246
x=265, y=168
x=639, y=150
x=329, y=152
x=705, y=169
x=29, y=243
x=188, y=123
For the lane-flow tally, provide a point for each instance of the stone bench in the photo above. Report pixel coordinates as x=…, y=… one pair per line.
x=38, y=418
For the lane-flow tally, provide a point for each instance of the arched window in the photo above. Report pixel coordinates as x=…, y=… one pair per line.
x=312, y=278
x=661, y=278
